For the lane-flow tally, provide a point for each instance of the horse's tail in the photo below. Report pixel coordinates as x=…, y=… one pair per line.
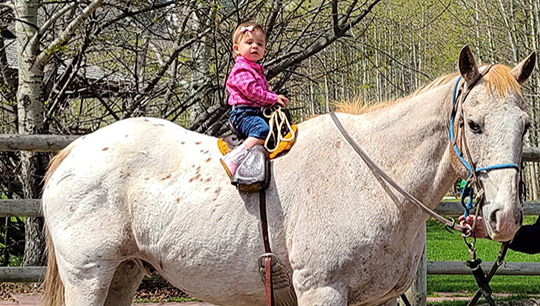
x=54, y=289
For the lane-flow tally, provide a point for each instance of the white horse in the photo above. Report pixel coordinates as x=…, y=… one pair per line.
x=145, y=191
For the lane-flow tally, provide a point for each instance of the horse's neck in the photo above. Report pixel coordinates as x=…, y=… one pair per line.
x=412, y=137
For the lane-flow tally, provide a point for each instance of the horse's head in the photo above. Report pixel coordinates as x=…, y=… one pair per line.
x=490, y=122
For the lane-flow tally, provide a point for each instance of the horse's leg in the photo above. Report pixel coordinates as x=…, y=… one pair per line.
x=86, y=286
x=125, y=282
x=322, y=296
x=87, y=267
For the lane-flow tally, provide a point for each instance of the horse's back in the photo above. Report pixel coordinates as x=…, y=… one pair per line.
x=108, y=174
x=130, y=148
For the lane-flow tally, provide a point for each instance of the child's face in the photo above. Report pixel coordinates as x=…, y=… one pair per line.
x=251, y=46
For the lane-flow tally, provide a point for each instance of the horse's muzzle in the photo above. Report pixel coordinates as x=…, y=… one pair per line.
x=502, y=224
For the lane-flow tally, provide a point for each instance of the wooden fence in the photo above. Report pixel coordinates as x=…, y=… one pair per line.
x=51, y=143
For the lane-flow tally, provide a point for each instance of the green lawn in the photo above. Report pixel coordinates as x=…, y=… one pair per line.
x=441, y=245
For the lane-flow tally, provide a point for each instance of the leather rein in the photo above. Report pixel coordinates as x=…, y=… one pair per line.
x=377, y=171
x=458, y=98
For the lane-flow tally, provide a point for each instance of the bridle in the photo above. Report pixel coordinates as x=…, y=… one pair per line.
x=468, y=191
x=457, y=107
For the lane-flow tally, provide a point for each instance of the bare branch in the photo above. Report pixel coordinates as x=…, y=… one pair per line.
x=335, y=19
x=271, y=20
x=322, y=42
x=66, y=35
x=7, y=5
x=50, y=22
x=52, y=19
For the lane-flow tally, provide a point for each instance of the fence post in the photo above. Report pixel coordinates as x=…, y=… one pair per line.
x=417, y=293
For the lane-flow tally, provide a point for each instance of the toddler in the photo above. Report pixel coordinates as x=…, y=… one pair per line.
x=249, y=92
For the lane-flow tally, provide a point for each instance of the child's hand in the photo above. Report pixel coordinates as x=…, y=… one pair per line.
x=281, y=100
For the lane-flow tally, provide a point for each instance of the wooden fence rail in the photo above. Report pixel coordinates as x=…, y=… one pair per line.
x=31, y=208
x=21, y=274
x=36, y=274
x=460, y=268
x=20, y=208
x=38, y=143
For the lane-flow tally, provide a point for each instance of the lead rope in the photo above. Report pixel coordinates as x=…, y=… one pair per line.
x=489, y=276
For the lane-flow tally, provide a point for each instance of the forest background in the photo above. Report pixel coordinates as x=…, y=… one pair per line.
x=71, y=67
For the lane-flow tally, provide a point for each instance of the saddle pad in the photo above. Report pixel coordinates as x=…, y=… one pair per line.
x=282, y=147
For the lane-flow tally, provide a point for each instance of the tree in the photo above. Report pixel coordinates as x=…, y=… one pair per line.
x=83, y=66
x=142, y=54
x=30, y=107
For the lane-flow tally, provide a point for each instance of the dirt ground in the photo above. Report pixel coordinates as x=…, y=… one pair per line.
x=30, y=294
x=525, y=302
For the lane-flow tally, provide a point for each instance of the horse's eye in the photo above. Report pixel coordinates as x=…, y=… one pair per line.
x=475, y=128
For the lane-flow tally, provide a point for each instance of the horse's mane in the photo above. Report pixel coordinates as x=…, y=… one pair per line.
x=499, y=79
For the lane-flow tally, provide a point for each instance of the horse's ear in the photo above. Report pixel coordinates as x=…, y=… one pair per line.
x=523, y=70
x=467, y=65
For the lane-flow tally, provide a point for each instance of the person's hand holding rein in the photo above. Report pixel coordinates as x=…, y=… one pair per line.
x=282, y=100
x=479, y=231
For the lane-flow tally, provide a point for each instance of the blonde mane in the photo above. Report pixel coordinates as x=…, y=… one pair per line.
x=499, y=80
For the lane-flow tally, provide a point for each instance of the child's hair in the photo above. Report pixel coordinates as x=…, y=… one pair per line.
x=239, y=33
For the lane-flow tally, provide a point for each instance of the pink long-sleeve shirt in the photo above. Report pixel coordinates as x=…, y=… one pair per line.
x=247, y=85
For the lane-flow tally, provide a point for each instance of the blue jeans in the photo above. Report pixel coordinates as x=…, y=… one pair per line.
x=249, y=122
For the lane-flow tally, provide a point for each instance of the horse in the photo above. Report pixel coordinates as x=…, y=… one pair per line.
x=144, y=192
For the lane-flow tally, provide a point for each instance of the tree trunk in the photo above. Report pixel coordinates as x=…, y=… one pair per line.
x=30, y=119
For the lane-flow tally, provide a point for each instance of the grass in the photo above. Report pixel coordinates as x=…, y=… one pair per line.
x=166, y=300
x=442, y=246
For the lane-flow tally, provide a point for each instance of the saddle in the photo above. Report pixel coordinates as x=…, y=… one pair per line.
x=253, y=173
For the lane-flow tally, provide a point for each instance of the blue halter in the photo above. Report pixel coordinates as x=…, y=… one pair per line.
x=467, y=191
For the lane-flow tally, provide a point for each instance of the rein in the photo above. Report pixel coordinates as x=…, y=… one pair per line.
x=376, y=170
